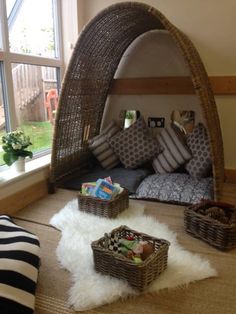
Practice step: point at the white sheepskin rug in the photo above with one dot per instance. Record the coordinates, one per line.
(91, 289)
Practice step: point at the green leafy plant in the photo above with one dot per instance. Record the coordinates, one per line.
(129, 115)
(14, 145)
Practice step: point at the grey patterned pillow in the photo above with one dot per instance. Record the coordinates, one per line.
(198, 142)
(175, 153)
(135, 145)
(102, 150)
(176, 187)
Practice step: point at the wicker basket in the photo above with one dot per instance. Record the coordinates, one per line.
(221, 235)
(139, 276)
(104, 208)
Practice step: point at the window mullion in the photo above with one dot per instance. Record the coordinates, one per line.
(10, 99)
(58, 29)
(5, 33)
(35, 60)
(7, 73)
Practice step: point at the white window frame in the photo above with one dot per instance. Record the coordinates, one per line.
(8, 58)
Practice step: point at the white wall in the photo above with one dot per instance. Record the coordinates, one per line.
(151, 55)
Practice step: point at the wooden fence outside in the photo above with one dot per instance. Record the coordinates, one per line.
(31, 84)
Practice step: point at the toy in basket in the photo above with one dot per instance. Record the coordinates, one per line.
(103, 198)
(130, 255)
(213, 222)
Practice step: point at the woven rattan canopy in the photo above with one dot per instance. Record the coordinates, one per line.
(89, 76)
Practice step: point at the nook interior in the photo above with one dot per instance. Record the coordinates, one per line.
(142, 66)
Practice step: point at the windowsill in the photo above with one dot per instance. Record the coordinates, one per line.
(33, 166)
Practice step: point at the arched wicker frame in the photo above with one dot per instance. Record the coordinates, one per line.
(89, 76)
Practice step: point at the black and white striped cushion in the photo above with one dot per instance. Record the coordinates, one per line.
(175, 152)
(19, 264)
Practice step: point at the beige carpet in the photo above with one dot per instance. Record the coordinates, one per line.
(215, 295)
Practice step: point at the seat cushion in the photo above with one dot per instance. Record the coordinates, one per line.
(128, 178)
(176, 187)
(19, 264)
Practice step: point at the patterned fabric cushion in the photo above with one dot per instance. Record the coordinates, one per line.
(175, 153)
(19, 264)
(176, 187)
(198, 142)
(102, 150)
(135, 145)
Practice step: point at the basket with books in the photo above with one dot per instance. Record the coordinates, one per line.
(103, 198)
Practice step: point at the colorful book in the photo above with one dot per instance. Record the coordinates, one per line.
(104, 189)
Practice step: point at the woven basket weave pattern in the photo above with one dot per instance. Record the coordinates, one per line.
(89, 78)
(139, 276)
(104, 208)
(220, 235)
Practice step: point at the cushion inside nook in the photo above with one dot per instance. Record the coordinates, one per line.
(200, 165)
(135, 145)
(128, 178)
(178, 188)
(102, 150)
(175, 152)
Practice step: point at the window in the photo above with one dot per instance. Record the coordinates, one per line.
(31, 27)
(31, 64)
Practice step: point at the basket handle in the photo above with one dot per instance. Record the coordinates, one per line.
(106, 240)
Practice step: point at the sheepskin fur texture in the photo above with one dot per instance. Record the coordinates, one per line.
(91, 289)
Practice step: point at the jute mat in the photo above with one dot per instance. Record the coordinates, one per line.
(208, 296)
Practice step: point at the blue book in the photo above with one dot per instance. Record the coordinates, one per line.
(104, 189)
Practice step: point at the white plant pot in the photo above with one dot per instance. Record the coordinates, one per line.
(19, 165)
(128, 123)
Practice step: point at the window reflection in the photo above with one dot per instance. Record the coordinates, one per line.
(184, 120)
(128, 117)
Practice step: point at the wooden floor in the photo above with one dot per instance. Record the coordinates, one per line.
(211, 296)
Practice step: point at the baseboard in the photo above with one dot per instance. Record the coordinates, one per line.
(230, 175)
(24, 197)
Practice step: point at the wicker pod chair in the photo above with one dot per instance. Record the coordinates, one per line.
(88, 80)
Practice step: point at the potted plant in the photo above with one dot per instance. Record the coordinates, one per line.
(14, 145)
(129, 118)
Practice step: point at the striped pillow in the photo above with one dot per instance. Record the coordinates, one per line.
(175, 151)
(19, 264)
(102, 150)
